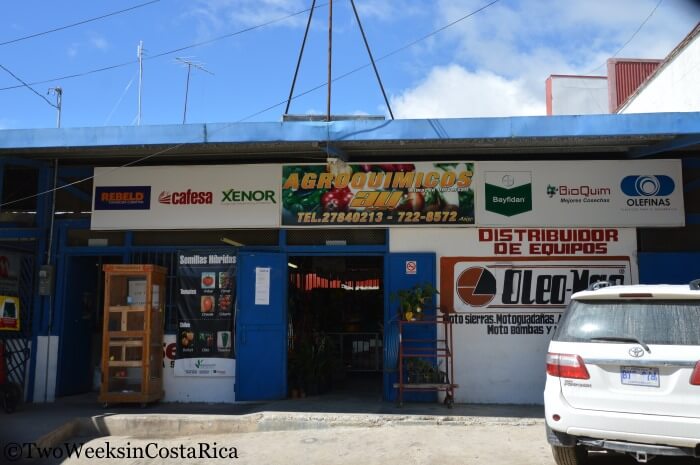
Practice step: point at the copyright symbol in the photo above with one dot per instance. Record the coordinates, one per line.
(12, 451)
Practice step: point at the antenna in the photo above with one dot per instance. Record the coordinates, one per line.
(59, 101)
(139, 54)
(187, 61)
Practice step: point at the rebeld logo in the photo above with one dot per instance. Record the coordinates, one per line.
(648, 190)
(188, 197)
(476, 286)
(508, 193)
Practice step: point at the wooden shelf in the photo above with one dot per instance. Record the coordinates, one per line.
(130, 343)
(128, 363)
(134, 355)
(127, 308)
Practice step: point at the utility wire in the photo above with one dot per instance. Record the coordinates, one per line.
(169, 52)
(252, 115)
(24, 84)
(79, 23)
(634, 34)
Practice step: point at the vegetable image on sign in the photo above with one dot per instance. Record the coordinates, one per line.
(476, 286)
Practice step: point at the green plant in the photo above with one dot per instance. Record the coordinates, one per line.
(412, 301)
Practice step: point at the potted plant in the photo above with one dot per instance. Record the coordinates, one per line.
(412, 301)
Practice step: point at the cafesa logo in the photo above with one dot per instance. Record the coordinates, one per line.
(648, 190)
(508, 193)
(188, 197)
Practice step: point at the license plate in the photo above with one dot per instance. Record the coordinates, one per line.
(640, 376)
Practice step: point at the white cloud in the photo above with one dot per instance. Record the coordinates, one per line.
(73, 50)
(99, 43)
(502, 56)
(453, 92)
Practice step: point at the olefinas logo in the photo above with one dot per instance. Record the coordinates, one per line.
(188, 197)
(648, 190)
(508, 193)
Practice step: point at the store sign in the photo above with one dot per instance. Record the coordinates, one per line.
(581, 193)
(206, 304)
(9, 291)
(9, 313)
(518, 276)
(123, 198)
(186, 197)
(378, 194)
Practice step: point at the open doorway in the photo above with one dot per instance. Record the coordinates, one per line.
(335, 325)
(80, 343)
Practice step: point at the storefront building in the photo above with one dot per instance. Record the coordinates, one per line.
(286, 244)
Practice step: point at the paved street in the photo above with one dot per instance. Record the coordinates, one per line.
(520, 443)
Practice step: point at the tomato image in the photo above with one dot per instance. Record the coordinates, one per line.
(207, 304)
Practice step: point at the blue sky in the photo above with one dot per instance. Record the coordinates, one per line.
(492, 64)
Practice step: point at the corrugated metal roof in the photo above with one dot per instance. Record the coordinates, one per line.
(625, 76)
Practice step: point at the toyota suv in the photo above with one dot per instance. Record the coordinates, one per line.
(623, 373)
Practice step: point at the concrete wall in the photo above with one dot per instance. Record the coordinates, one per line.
(577, 95)
(193, 388)
(673, 88)
(498, 368)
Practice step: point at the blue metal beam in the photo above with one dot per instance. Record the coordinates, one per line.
(666, 146)
(692, 218)
(691, 186)
(20, 233)
(573, 128)
(75, 191)
(27, 162)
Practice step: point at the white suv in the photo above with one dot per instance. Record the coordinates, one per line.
(623, 373)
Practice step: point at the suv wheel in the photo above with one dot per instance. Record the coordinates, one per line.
(570, 455)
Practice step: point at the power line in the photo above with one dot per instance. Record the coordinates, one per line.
(24, 84)
(225, 126)
(79, 23)
(169, 52)
(634, 34)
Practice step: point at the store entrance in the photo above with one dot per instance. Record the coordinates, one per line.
(80, 327)
(335, 325)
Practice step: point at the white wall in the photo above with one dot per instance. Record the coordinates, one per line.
(193, 388)
(493, 368)
(46, 367)
(578, 95)
(674, 87)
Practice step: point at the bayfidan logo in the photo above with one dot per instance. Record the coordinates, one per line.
(476, 286)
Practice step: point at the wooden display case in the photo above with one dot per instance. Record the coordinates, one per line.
(132, 341)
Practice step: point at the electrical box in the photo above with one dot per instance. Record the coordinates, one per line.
(46, 278)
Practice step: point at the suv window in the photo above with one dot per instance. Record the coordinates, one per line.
(670, 322)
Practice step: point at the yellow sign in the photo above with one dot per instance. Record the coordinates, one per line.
(9, 313)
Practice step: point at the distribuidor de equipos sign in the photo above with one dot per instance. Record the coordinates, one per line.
(378, 194)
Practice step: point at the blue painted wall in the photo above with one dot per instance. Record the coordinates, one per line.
(668, 268)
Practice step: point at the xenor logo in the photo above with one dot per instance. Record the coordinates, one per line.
(188, 197)
(241, 196)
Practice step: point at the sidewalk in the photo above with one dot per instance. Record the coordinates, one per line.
(34, 421)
